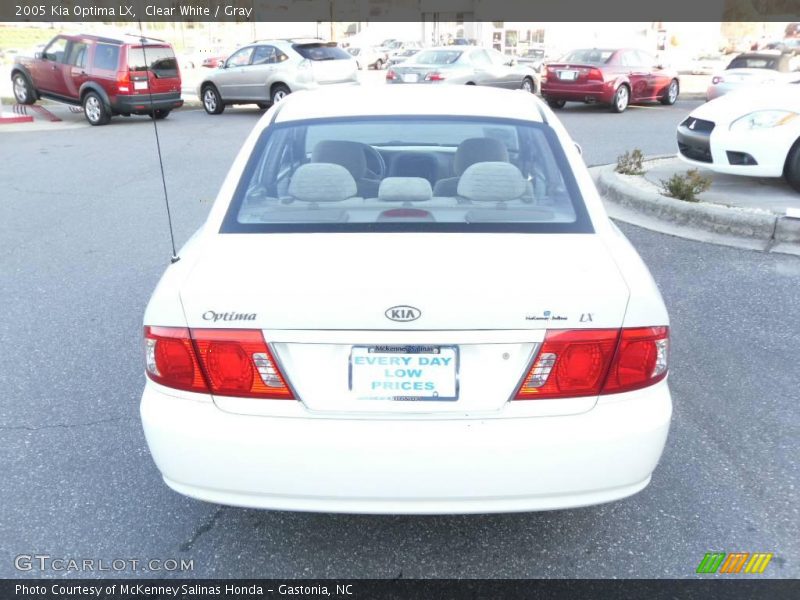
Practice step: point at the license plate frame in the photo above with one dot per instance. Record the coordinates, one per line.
(360, 379)
(140, 85)
(567, 75)
(410, 77)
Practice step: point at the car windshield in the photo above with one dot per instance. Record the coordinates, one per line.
(159, 59)
(754, 62)
(593, 56)
(437, 57)
(407, 173)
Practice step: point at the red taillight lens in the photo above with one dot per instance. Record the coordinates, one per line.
(225, 362)
(715, 80)
(391, 75)
(124, 82)
(641, 359)
(170, 359)
(435, 76)
(570, 363)
(595, 75)
(237, 362)
(574, 363)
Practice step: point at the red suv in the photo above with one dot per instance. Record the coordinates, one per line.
(617, 77)
(107, 76)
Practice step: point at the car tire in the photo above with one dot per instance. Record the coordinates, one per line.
(212, 103)
(23, 90)
(556, 103)
(529, 85)
(161, 113)
(791, 170)
(622, 98)
(94, 109)
(262, 105)
(671, 95)
(278, 92)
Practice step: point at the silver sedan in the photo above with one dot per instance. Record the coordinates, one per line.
(466, 65)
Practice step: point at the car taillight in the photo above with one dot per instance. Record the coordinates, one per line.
(391, 75)
(124, 81)
(589, 362)
(716, 79)
(434, 76)
(595, 75)
(170, 359)
(224, 362)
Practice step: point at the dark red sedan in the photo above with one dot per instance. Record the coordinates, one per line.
(617, 77)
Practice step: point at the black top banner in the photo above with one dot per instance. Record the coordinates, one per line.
(398, 10)
(416, 589)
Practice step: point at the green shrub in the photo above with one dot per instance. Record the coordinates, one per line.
(686, 186)
(630, 163)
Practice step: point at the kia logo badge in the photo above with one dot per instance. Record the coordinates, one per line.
(403, 313)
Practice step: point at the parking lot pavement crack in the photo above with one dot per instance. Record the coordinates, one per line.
(63, 425)
(204, 527)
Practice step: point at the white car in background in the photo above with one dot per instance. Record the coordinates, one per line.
(753, 132)
(407, 301)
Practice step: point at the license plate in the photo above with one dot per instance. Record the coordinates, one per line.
(568, 75)
(140, 85)
(404, 373)
(410, 78)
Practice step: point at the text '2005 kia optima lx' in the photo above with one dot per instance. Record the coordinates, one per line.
(407, 301)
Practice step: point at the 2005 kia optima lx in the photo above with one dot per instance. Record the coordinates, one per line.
(407, 301)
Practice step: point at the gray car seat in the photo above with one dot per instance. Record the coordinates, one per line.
(351, 156)
(469, 152)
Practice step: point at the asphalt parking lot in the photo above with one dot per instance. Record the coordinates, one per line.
(83, 241)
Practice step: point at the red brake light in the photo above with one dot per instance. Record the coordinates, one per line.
(124, 81)
(391, 75)
(170, 359)
(589, 362)
(224, 362)
(641, 359)
(595, 75)
(434, 76)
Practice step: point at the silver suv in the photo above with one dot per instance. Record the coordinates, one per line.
(265, 71)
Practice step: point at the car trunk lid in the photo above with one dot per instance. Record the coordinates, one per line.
(153, 69)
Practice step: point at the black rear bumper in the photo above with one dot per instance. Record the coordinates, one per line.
(142, 104)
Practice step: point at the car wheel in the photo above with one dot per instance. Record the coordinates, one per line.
(528, 85)
(672, 93)
(621, 99)
(791, 171)
(161, 113)
(23, 91)
(279, 92)
(211, 100)
(95, 110)
(556, 103)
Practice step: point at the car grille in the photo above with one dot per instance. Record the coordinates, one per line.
(702, 154)
(698, 125)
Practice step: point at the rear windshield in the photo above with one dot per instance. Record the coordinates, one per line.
(437, 57)
(754, 62)
(328, 51)
(407, 174)
(593, 56)
(159, 59)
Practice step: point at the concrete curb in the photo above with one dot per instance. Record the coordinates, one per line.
(644, 206)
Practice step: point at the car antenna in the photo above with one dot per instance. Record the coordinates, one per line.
(175, 258)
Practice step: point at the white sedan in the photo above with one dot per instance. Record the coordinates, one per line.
(407, 301)
(752, 132)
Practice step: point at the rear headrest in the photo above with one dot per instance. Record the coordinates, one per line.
(348, 154)
(322, 182)
(405, 189)
(475, 150)
(491, 182)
